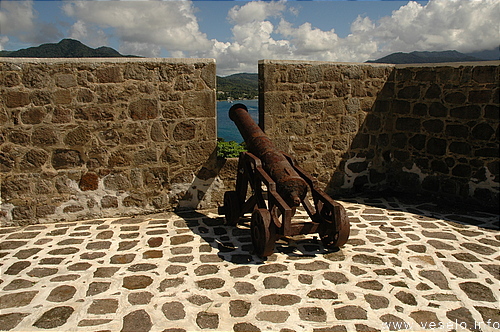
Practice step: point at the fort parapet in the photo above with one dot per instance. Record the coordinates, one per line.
(86, 138)
(426, 129)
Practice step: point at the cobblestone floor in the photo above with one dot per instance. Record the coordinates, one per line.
(405, 267)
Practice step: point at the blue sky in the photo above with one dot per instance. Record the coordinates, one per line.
(239, 33)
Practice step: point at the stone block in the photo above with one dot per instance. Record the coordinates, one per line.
(78, 136)
(460, 131)
(184, 131)
(61, 97)
(483, 131)
(456, 97)
(34, 159)
(436, 146)
(466, 112)
(84, 95)
(34, 115)
(65, 80)
(433, 126)
(44, 136)
(484, 74)
(16, 98)
(89, 181)
(109, 75)
(438, 110)
(199, 104)
(109, 202)
(66, 158)
(143, 109)
(408, 124)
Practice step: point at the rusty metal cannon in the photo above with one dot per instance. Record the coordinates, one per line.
(278, 186)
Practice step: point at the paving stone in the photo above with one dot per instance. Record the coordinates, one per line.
(103, 306)
(10, 321)
(370, 284)
(170, 282)
(275, 282)
(280, 299)
(376, 301)
(15, 300)
(173, 310)
(425, 318)
(137, 282)
(26, 253)
(272, 268)
(336, 277)
(367, 259)
(436, 277)
(239, 308)
(305, 279)
(199, 299)
(122, 259)
(459, 270)
(97, 287)
(245, 327)
(137, 321)
(240, 272)
(175, 269)
(54, 317)
(243, 287)
(105, 272)
(406, 298)
(273, 316)
(140, 298)
(142, 267)
(322, 294)
(461, 315)
(93, 322)
(211, 283)
(79, 267)
(207, 320)
(203, 270)
(478, 292)
(17, 267)
(350, 312)
(61, 293)
(19, 284)
(313, 266)
(314, 314)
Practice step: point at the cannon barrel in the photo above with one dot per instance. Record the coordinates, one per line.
(289, 185)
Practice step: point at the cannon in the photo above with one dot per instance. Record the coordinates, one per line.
(278, 187)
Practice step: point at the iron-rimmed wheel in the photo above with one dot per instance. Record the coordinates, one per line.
(263, 232)
(231, 208)
(331, 218)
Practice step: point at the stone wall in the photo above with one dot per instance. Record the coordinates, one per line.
(83, 138)
(429, 129)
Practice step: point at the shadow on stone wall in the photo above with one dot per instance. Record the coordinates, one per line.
(431, 131)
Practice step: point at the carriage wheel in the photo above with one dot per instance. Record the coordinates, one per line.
(263, 232)
(330, 217)
(231, 208)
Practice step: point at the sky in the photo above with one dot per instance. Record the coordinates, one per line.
(239, 33)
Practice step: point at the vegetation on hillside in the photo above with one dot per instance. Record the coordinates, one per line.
(229, 149)
(425, 57)
(238, 86)
(66, 48)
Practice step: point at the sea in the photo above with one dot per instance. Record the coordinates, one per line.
(226, 128)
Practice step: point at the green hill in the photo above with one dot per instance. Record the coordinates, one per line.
(66, 48)
(238, 86)
(425, 57)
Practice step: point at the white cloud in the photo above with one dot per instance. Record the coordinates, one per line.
(144, 27)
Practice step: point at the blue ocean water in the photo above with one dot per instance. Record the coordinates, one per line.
(226, 128)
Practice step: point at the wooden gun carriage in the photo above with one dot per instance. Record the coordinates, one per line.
(278, 187)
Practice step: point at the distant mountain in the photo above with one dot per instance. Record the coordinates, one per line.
(425, 57)
(238, 86)
(66, 48)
